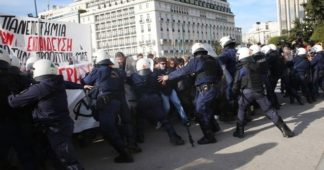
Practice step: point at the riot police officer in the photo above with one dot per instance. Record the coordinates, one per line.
(149, 101)
(302, 73)
(15, 124)
(318, 65)
(276, 69)
(228, 62)
(109, 82)
(249, 85)
(49, 99)
(208, 75)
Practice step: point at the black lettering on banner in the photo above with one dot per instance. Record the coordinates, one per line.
(32, 27)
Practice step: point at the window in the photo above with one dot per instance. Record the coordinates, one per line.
(142, 28)
(149, 27)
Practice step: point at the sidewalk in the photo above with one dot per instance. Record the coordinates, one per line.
(263, 148)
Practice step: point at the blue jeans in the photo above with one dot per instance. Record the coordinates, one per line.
(173, 97)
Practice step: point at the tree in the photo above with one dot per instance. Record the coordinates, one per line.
(217, 47)
(318, 35)
(278, 39)
(314, 12)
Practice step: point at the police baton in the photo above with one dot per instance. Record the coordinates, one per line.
(189, 135)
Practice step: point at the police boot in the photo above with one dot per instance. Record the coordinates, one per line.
(134, 148)
(209, 136)
(309, 99)
(239, 132)
(286, 132)
(214, 125)
(299, 100)
(123, 157)
(173, 136)
(292, 100)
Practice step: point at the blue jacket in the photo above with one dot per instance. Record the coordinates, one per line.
(301, 65)
(318, 61)
(145, 85)
(196, 65)
(48, 97)
(228, 58)
(107, 79)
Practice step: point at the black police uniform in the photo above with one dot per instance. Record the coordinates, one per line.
(110, 103)
(51, 112)
(15, 124)
(249, 84)
(208, 75)
(147, 91)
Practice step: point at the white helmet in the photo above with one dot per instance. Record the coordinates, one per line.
(198, 47)
(4, 56)
(44, 67)
(243, 53)
(255, 49)
(31, 60)
(144, 63)
(317, 48)
(224, 41)
(265, 49)
(273, 47)
(102, 57)
(15, 62)
(301, 51)
(210, 50)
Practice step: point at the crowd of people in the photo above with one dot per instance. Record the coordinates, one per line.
(127, 91)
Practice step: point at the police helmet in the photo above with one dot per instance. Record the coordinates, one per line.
(273, 47)
(144, 63)
(317, 48)
(265, 49)
(255, 49)
(4, 56)
(243, 53)
(44, 67)
(210, 50)
(102, 58)
(31, 60)
(15, 62)
(198, 47)
(224, 41)
(301, 51)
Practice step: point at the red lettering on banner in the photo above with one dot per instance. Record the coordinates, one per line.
(69, 72)
(28, 44)
(6, 37)
(76, 78)
(53, 39)
(49, 44)
(69, 45)
(61, 71)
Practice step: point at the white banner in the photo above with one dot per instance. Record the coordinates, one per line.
(66, 44)
(61, 42)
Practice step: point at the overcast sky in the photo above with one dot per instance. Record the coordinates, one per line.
(247, 12)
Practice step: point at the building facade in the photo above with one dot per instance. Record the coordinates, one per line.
(287, 12)
(261, 33)
(160, 27)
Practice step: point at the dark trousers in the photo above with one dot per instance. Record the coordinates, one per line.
(16, 135)
(248, 96)
(59, 136)
(108, 120)
(203, 103)
(151, 107)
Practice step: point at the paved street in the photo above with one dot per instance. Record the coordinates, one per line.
(263, 148)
